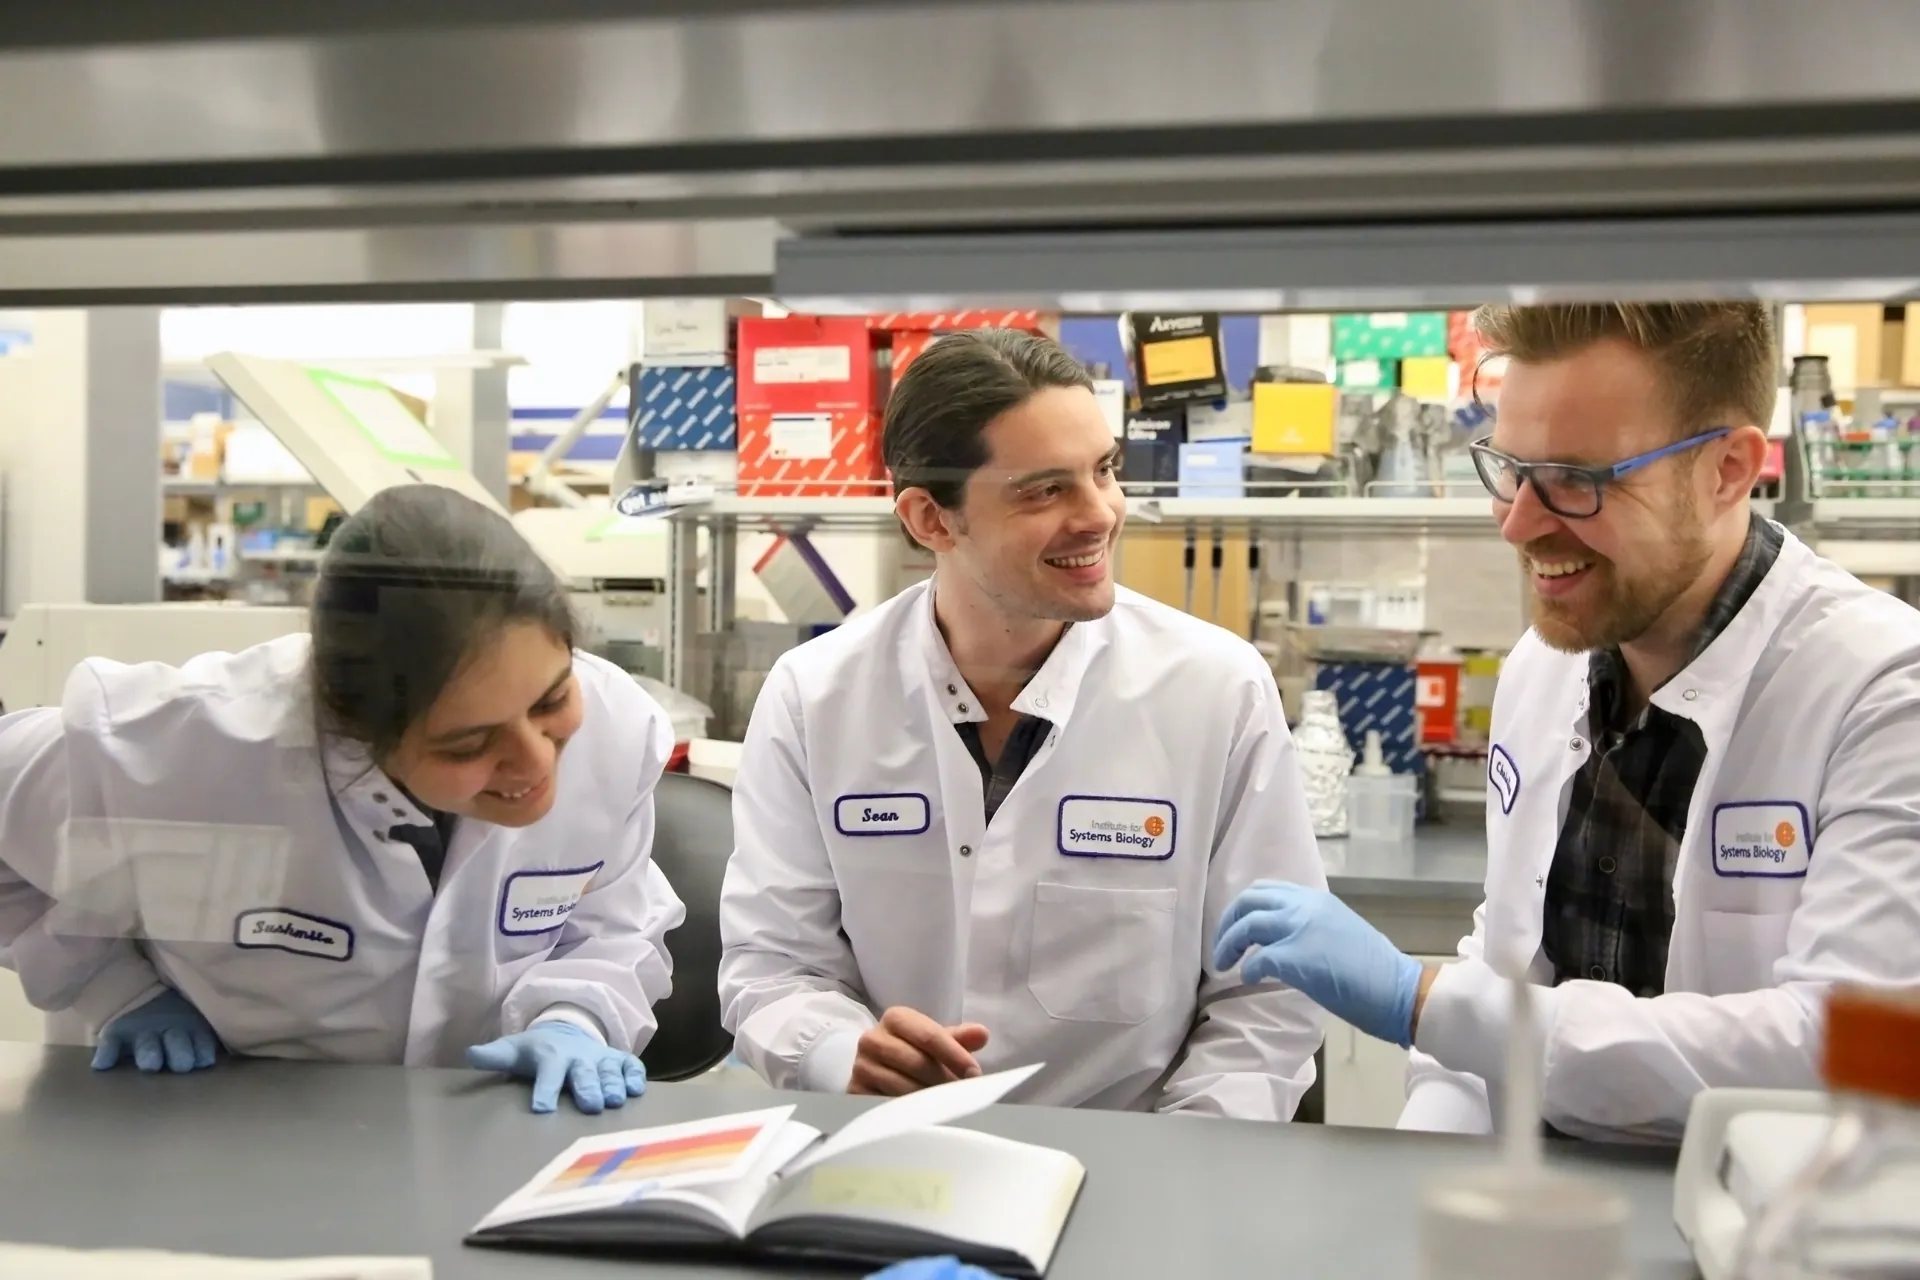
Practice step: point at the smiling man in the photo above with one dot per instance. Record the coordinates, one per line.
(991, 823)
(1703, 801)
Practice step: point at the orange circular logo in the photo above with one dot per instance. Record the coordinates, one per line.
(1155, 826)
(1783, 835)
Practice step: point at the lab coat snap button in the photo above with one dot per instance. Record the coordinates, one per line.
(963, 708)
(951, 689)
(1597, 973)
(1607, 865)
(379, 797)
(1691, 695)
(1041, 703)
(1576, 744)
(966, 851)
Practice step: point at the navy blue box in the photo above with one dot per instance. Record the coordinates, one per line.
(1378, 696)
(684, 408)
(1151, 453)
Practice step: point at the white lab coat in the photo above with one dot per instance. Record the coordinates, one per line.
(865, 875)
(1800, 866)
(176, 825)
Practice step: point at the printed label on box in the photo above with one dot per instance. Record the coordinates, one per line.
(1182, 360)
(1388, 319)
(797, 436)
(786, 365)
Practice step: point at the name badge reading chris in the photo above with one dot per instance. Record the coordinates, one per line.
(903, 814)
(540, 901)
(278, 929)
(1116, 827)
(1761, 838)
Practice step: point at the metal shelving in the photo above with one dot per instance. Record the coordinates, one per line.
(1347, 514)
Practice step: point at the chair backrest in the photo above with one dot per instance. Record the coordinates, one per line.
(692, 840)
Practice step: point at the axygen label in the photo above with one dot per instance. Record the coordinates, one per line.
(1767, 838)
(1116, 827)
(541, 901)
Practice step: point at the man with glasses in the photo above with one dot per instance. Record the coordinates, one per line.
(1703, 801)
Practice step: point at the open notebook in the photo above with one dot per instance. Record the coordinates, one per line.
(892, 1184)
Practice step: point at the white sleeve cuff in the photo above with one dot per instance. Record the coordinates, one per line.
(574, 1016)
(828, 1066)
(1465, 1019)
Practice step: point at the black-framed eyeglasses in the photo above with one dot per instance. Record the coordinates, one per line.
(1567, 489)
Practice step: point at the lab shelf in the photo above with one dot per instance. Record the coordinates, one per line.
(1454, 515)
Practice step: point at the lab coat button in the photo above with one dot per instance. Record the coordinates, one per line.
(966, 851)
(1040, 703)
(951, 689)
(379, 797)
(1691, 695)
(1606, 866)
(1597, 973)
(963, 708)
(1576, 745)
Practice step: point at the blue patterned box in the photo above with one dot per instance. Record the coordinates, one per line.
(1378, 695)
(681, 408)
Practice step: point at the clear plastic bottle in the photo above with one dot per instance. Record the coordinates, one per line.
(1326, 758)
(1854, 1212)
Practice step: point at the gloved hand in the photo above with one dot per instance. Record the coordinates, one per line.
(555, 1053)
(166, 1033)
(944, 1268)
(1317, 945)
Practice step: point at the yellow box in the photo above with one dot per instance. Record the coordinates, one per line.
(1181, 360)
(1428, 377)
(1294, 417)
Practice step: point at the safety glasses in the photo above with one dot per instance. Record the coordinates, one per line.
(1564, 488)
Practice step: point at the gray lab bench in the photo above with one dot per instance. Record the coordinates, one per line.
(1422, 896)
(286, 1159)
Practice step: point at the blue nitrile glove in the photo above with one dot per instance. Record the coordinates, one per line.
(1316, 944)
(555, 1053)
(944, 1268)
(165, 1034)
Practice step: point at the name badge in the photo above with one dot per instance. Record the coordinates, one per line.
(540, 901)
(1504, 777)
(278, 929)
(905, 814)
(1116, 827)
(1763, 838)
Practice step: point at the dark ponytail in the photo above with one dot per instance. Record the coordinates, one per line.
(412, 585)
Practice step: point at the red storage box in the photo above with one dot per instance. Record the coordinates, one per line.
(806, 364)
(946, 321)
(810, 455)
(907, 347)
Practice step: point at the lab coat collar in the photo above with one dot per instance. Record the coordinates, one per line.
(1050, 694)
(364, 791)
(1715, 680)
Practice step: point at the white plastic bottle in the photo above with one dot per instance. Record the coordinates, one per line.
(1854, 1211)
(1325, 760)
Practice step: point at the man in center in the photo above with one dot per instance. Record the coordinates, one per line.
(992, 822)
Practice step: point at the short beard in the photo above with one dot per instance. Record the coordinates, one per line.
(1631, 608)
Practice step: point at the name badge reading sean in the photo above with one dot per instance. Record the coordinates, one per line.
(295, 931)
(1761, 839)
(1116, 827)
(904, 814)
(540, 901)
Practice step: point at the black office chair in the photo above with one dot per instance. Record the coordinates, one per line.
(692, 840)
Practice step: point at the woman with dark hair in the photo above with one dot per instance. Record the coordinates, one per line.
(421, 833)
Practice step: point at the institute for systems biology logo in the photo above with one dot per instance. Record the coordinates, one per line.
(1783, 835)
(1155, 826)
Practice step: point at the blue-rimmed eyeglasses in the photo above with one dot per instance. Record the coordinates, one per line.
(1564, 488)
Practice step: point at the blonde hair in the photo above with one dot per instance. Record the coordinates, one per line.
(1719, 360)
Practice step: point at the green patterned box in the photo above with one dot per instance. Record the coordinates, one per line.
(1368, 375)
(1390, 335)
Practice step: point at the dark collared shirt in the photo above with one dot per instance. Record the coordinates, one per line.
(998, 776)
(1609, 903)
(430, 842)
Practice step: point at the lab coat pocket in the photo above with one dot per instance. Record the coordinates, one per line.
(193, 881)
(1741, 949)
(1099, 954)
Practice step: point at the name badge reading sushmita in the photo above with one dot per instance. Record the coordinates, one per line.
(294, 931)
(902, 814)
(540, 901)
(1764, 839)
(1116, 827)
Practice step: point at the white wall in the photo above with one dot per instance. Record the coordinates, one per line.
(43, 454)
